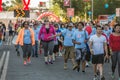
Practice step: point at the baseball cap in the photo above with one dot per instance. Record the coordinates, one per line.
(70, 24)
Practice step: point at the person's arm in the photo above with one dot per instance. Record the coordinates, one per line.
(74, 39)
(90, 46)
(106, 49)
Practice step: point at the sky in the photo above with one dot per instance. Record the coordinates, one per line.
(33, 3)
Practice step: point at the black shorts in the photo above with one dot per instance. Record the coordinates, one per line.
(56, 48)
(10, 33)
(98, 59)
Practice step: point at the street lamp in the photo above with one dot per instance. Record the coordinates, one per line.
(92, 8)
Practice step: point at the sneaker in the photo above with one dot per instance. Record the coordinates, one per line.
(87, 65)
(83, 71)
(75, 67)
(46, 63)
(78, 69)
(28, 60)
(25, 63)
(65, 66)
(103, 78)
(95, 78)
(113, 76)
(51, 62)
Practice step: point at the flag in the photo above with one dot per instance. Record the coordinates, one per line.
(66, 2)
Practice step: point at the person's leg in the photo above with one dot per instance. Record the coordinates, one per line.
(78, 58)
(24, 48)
(29, 48)
(36, 48)
(72, 56)
(66, 55)
(45, 47)
(114, 63)
(118, 57)
(50, 49)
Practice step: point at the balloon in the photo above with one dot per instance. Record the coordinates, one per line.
(26, 4)
(88, 29)
(106, 5)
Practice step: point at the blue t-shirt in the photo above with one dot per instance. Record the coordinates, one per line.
(27, 37)
(80, 36)
(107, 33)
(36, 33)
(68, 37)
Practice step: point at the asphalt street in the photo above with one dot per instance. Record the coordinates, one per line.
(14, 69)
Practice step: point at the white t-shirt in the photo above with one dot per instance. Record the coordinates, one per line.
(98, 44)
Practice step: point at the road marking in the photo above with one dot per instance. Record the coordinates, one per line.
(2, 61)
(4, 72)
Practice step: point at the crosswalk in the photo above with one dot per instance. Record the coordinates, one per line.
(4, 64)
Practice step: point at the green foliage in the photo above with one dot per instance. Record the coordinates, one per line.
(99, 9)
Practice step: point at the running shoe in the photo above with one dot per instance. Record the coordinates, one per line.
(51, 62)
(28, 60)
(95, 78)
(25, 63)
(46, 63)
(113, 76)
(103, 78)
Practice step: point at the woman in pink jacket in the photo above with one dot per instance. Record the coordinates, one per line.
(47, 37)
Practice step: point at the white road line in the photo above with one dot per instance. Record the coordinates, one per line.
(4, 73)
(1, 60)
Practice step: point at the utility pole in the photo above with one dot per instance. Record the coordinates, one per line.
(92, 9)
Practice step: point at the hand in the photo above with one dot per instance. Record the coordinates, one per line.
(111, 52)
(91, 50)
(78, 43)
(85, 41)
(106, 56)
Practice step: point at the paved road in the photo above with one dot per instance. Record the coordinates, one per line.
(39, 71)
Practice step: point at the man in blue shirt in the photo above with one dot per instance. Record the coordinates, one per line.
(35, 47)
(69, 46)
(80, 39)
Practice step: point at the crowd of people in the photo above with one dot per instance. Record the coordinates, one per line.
(81, 42)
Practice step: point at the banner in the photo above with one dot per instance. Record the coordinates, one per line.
(117, 12)
(66, 2)
(86, 0)
(42, 4)
(26, 4)
(70, 12)
(0, 5)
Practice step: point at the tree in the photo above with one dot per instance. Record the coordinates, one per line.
(15, 4)
(99, 9)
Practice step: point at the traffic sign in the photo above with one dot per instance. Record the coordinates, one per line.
(21, 13)
(70, 12)
(117, 12)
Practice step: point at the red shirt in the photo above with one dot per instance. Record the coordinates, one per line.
(114, 42)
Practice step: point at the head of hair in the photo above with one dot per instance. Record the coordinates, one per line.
(25, 22)
(80, 23)
(115, 27)
(98, 26)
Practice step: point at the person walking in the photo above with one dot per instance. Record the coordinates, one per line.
(114, 41)
(80, 39)
(97, 46)
(69, 46)
(47, 35)
(35, 47)
(26, 40)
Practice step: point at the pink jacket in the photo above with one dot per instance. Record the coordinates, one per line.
(43, 35)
